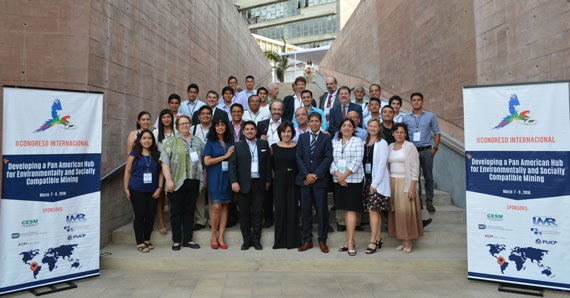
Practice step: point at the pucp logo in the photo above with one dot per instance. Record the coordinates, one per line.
(515, 115)
(550, 242)
(30, 222)
(78, 236)
(75, 217)
(55, 118)
(544, 221)
(495, 217)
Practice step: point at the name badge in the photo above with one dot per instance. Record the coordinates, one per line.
(254, 167)
(225, 167)
(194, 156)
(342, 166)
(147, 178)
(417, 136)
(368, 168)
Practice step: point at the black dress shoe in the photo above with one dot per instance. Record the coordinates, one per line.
(176, 247)
(191, 245)
(245, 246)
(359, 228)
(198, 227)
(267, 224)
(340, 228)
(426, 222)
(330, 229)
(257, 246)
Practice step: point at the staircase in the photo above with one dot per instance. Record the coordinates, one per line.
(442, 249)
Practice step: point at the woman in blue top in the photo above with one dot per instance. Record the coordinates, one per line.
(143, 185)
(217, 150)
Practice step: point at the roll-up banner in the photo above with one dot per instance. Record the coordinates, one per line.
(51, 169)
(517, 150)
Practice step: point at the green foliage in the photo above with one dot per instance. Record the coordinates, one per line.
(281, 61)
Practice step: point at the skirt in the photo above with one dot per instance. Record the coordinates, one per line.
(405, 219)
(375, 201)
(348, 198)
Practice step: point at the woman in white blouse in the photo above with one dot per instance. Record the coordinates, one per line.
(348, 174)
(405, 219)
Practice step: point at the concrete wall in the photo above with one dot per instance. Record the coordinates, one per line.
(136, 52)
(437, 47)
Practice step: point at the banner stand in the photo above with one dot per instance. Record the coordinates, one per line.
(520, 289)
(53, 288)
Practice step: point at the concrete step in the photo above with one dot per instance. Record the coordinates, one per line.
(423, 259)
(435, 234)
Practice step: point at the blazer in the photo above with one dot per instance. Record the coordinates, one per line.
(263, 126)
(318, 163)
(336, 116)
(380, 174)
(240, 164)
(323, 99)
(289, 107)
(232, 131)
(217, 113)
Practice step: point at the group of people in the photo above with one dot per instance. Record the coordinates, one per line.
(253, 156)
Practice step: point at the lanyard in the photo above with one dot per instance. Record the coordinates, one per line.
(273, 130)
(194, 108)
(236, 132)
(417, 121)
(345, 145)
(202, 130)
(252, 152)
(147, 162)
(249, 111)
(368, 148)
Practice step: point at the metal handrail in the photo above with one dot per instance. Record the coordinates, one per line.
(114, 172)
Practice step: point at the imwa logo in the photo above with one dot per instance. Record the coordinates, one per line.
(76, 217)
(544, 221)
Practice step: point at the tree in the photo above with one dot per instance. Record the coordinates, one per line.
(281, 61)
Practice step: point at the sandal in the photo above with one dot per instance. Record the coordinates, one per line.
(342, 248)
(351, 252)
(149, 245)
(162, 231)
(142, 248)
(407, 250)
(379, 243)
(371, 250)
(400, 247)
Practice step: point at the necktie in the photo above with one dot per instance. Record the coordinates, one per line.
(329, 101)
(343, 112)
(313, 142)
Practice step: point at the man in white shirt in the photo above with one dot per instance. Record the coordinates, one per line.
(192, 104)
(254, 112)
(212, 102)
(302, 118)
(227, 96)
(267, 129)
(396, 103)
(374, 107)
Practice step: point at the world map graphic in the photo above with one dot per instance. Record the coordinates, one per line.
(520, 257)
(51, 257)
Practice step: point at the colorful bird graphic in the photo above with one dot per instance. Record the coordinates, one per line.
(514, 114)
(56, 119)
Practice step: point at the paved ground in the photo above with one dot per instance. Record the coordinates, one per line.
(191, 283)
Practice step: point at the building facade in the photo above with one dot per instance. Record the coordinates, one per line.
(304, 23)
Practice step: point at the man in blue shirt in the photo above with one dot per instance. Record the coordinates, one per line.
(307, 99)
(242, 97)
(421, 124)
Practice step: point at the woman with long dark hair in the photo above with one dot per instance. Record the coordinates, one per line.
(376, 190)
(143, 122)
(217, 150)
(164, 131)
(143, 185)
(346, 168)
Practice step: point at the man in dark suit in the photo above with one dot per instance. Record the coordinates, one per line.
(250, 176)
(330, 98)
(340, 112)
(236, 125)
(292, 102)
(314, 157)
(212, 102)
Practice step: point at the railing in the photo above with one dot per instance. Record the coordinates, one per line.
(114, 172)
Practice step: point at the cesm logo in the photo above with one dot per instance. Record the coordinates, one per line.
(544, 221)
(495, 217)
(76, 217)
(78, 236)
(30, 222)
